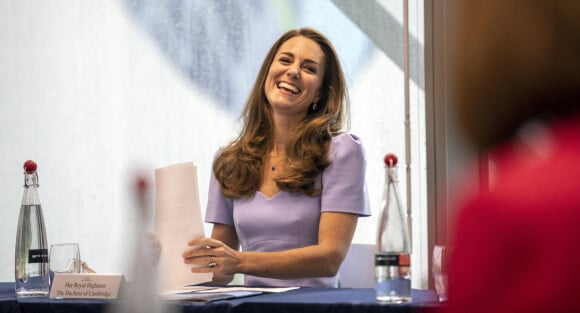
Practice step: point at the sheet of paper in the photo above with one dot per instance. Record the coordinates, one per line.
(208, 296)
(226, 289)
(260, 289)
(208, 293)
(177, 220)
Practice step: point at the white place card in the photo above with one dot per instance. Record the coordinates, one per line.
(85, 286)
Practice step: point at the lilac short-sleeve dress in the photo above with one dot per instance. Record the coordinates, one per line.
(289, 220)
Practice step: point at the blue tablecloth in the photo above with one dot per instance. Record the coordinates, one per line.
(309, 300)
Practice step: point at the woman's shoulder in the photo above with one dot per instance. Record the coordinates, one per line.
(347, 139)
(346, 144)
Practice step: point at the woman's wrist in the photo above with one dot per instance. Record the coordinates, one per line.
(241, 265)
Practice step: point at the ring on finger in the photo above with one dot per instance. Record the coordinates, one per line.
(212, 262)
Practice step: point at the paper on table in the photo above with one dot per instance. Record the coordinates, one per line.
(206, 293)
(177, 220)
(208, 296)
(202, 289)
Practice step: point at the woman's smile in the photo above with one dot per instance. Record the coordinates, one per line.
(284, 86)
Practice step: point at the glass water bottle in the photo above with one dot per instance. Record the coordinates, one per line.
(31, 258)
(393, 254)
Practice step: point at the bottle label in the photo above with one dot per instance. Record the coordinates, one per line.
(392, 259)
(38, 256)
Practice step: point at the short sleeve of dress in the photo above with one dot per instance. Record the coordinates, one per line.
(220, 209)
(343, 182)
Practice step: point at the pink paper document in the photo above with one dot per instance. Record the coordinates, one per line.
(177, 220)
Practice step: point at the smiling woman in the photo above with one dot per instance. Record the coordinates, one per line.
(295, 78)
(292, 86)
(294, 223)
(283, 123)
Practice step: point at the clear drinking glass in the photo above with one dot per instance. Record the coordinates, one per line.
(441, 256)
(65, 258)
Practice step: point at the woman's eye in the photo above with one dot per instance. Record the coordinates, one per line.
(310, 69)
(285, 60)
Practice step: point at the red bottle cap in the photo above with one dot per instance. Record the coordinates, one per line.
(390, 160)
(141, 184)
(29, 166)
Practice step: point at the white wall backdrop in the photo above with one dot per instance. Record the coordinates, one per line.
(90, 98)
(91, 94)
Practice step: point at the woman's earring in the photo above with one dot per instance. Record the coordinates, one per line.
(314, 106)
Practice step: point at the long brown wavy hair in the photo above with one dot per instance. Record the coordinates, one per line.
(238, 167)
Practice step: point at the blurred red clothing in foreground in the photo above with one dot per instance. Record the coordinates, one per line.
(517, 247)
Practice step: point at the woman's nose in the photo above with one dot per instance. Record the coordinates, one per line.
(294, 71)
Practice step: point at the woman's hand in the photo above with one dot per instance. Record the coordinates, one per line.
(210, 255)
